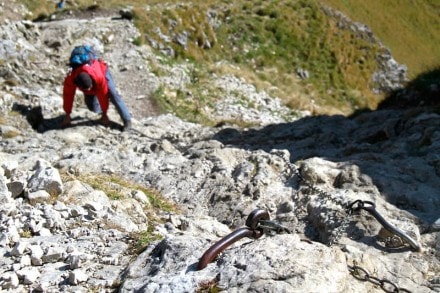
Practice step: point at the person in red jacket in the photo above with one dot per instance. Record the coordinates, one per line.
(95, 81)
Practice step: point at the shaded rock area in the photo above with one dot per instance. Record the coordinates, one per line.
(60, 234)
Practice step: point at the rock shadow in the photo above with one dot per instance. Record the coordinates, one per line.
(380, 143)
(34, 116)
(422, 91)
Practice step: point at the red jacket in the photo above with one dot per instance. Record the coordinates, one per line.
(97, 71)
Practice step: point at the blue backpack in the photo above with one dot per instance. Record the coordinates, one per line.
(82, 55)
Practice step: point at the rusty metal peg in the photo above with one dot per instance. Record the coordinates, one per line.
(250, 231)
(255, 217)
(225, 242)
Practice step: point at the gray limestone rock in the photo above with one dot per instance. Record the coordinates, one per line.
(5, 194)
(9, 281)
(45, 178)
(58, 233)
(19, 248)
(77, 276)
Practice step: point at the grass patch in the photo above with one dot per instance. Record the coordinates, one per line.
(10, 134)
(210, 286)
(145, 238)
(39, 10)
(25, 234)
(116, 187)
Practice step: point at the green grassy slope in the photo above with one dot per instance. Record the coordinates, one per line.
(410, 28)
(271, 41)
(268, 41)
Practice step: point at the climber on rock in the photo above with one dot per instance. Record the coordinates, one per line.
(92, 76)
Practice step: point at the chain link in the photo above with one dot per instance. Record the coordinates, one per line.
(271, 227)
(340, 231)
(362, 275)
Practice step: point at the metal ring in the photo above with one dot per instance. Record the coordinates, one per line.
(255, 216)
